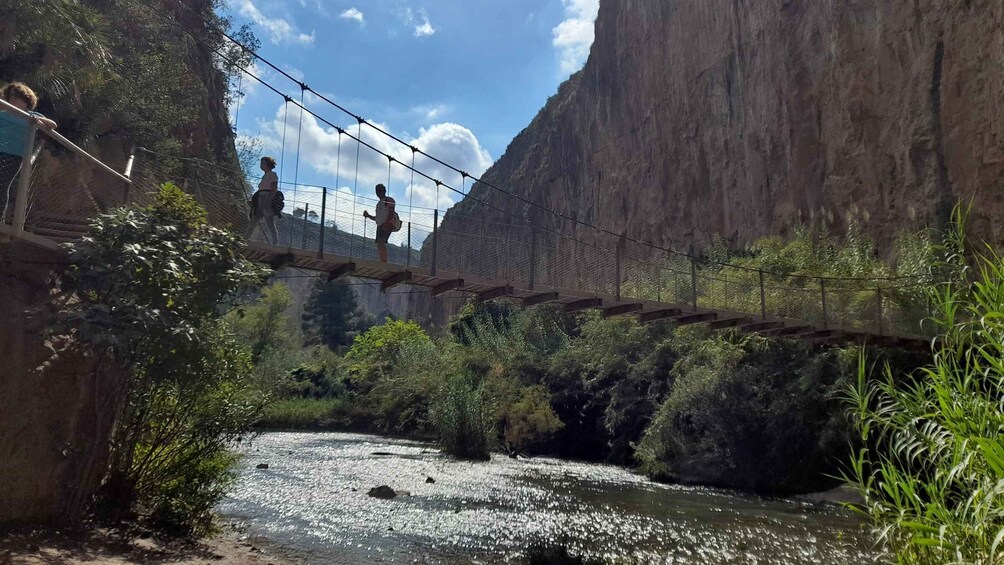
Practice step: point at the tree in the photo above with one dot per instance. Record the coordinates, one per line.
(147, 286)
(312, 216)
(332, 316)
(298, 212)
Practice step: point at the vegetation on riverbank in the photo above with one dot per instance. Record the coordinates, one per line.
(686, 404)
(931, 462)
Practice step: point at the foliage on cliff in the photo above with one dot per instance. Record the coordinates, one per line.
(125, 70)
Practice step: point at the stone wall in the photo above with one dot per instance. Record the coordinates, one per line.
(56, 404)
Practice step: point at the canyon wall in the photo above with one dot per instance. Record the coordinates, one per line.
(750, 117)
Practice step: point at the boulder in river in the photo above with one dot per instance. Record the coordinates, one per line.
(382, 491)
(430, 480)
(262, 466)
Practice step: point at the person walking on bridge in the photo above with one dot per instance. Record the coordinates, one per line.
(262, 207)
(384, 220)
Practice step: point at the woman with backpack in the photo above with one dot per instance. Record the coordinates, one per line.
(265, 201)
(386, 219)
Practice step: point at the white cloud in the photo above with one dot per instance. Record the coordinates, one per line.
(449, 142)
(353, 14)
(574, 36)
(420, 23)
(278, 29)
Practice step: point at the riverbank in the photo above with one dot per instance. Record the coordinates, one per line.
(96, 545)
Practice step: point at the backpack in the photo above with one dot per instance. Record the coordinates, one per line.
(393, 220)
(278, 202)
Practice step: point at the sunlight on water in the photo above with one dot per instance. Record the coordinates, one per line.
(312, 500)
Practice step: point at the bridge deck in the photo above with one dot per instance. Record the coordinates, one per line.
(572, 299)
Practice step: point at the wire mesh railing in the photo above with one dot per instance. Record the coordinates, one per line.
(50, 187)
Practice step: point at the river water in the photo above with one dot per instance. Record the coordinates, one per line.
(312, 502)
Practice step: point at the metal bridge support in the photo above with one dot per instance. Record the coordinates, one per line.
(763, 298)
(693, 282)
(324, 207)
(878, 300)
(127, 191)
(435, 239)
(24, 180)
(822, 295)
(533, 256)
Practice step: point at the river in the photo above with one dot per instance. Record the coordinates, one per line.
(312, 502)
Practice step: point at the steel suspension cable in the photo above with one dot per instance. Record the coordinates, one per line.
(299, 130)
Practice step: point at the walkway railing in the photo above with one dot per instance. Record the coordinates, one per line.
(622, 275)
(49, 187)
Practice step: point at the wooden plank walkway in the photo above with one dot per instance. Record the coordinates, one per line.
(390, 275)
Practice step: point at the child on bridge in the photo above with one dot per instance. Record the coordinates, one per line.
(13, 136)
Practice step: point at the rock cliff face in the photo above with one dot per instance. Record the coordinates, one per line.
(749, 117)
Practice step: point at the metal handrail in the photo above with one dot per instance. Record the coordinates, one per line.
(11, 109)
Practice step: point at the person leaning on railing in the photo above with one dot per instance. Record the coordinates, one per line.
(13, 132)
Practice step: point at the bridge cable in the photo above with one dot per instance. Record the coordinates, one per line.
(299, 130)
(411, 189)
(282, 155)
(338, 170)
(355, 189)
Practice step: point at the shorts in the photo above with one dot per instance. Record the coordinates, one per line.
(383, 234)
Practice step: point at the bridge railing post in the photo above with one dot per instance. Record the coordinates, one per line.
(693, 282)
(303, 236)
(533, 257)
(822, 296)
(127, 191)
(878, 301)
(24, 180)
(617, 270)
(407, 259)
(324, 207)
(763, 296)
(435, 239)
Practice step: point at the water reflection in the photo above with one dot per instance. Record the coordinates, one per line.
(313, 499)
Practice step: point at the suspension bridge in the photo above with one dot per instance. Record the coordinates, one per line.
(51, 193)
(56, 188)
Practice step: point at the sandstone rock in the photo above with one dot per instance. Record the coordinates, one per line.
(700, 117)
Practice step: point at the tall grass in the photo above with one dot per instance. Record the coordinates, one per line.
(931, 468)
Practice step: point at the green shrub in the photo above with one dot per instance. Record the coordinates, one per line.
(931, 464)
(307, 414)
(749, 412)
(148, 286)
(464, 417)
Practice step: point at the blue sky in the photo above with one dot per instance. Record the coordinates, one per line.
(457, 78)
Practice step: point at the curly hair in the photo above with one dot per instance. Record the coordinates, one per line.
(269, 162)
(20, 90)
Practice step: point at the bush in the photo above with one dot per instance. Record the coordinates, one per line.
(148, 286)
(463, 417)
(750, 413)
(931, 464)
(307, 414)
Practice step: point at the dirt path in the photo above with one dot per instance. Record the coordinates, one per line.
(105, 546)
